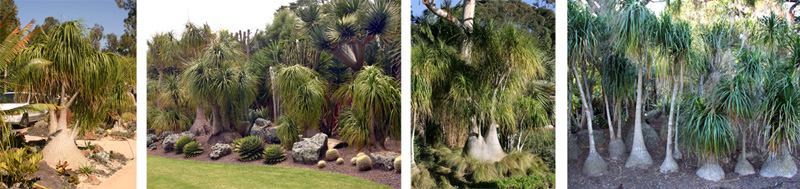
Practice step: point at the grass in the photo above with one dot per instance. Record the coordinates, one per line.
(175, 173)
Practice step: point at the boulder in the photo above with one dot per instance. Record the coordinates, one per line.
(151, 138)
(263, 128)
(572, 148)
(652, 115)
(651, 138)
(384, 159)
(220, 150)
(92, 179)
(309, 150)
(169, 142)
(165, 134)
(101, 157)
(599, 138)
(48, 177)
(153, 146)
(97, 148)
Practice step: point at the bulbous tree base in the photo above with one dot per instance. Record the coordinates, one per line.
(778, 166)
(669, 166)
(677, 154)
(711, 172)
(639, 159)
(594, 165)
(616, 149)
(743, 167)
(62, 148)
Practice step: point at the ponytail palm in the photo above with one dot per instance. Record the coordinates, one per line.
(220, 79)
(303, 92)
(375, 108)
(707, 130)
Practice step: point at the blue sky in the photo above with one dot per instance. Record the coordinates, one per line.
(417, 7)
(103, 12)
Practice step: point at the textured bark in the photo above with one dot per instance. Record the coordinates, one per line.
(639, 156)
(201, 125)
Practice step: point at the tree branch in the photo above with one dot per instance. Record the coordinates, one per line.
(431, 4)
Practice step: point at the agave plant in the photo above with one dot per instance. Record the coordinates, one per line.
(192, 149)
(274, 154)
(249, 148)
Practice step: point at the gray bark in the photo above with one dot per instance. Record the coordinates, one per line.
(639, 157)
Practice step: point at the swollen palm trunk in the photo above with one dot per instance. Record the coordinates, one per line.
(485, 149)
(61, 147)
(201, 125)
(639, 156)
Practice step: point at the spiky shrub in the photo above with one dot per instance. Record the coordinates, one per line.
(249, 148)
(19, 166)
(364, 163)
(781, 112)
(86, 169)
(397, 163)
(192, 149)
(706, 130)
(182, 142)
(274, 154)
(331, 154)
(339, 161)
(321, 164)
(288, 132)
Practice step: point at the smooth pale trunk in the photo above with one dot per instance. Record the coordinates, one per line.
(677, 152)
(611, 135)
(485, 149)
(216, 120)
(669, 165)
(467, 18)
(639, 157)
(594, 164)
(200, 126)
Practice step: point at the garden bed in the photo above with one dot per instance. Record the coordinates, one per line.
(390, 178)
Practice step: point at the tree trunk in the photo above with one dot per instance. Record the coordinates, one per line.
(594, 164)
(617, 109)
(62, 147)
(485, 149)
(677, 152)
(467, 19)
(669, 165)
(200, 126)
(216, 120)
(639, 156)
(611, 135)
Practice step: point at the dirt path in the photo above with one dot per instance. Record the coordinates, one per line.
(125, 177)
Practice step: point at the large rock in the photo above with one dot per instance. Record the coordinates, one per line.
(384, 159)
(263, 128)
(652, 115)
(220, 150)
(168, 144)
(651, 138)
(308, 150)
(48, 177)
(599, 138)
(151, 138)
(572, 148)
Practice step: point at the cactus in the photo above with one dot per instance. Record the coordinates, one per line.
(321, 164)
(360, 154)
(397, 163)
(353, 160)
(331, 154)
(192, 149)
(274, 154)
(182, 142)
(364, 163)
(340, 161)
(249, 148)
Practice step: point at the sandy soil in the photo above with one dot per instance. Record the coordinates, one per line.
(390, 178)
(620, 177)
(125, 177)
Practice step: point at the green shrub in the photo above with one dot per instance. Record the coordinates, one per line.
(86, 169)
(288, 132)
(274, 154)
(321, 164)
(531, 181)
(331, 154)
(19, 166)
(182, 142)
(122, 134)
(249, 148)
(364, 163)
(339, 161)
(542, 143)
(192, 149)
(74, 180)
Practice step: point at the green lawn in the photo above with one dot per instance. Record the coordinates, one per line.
(175, 173)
